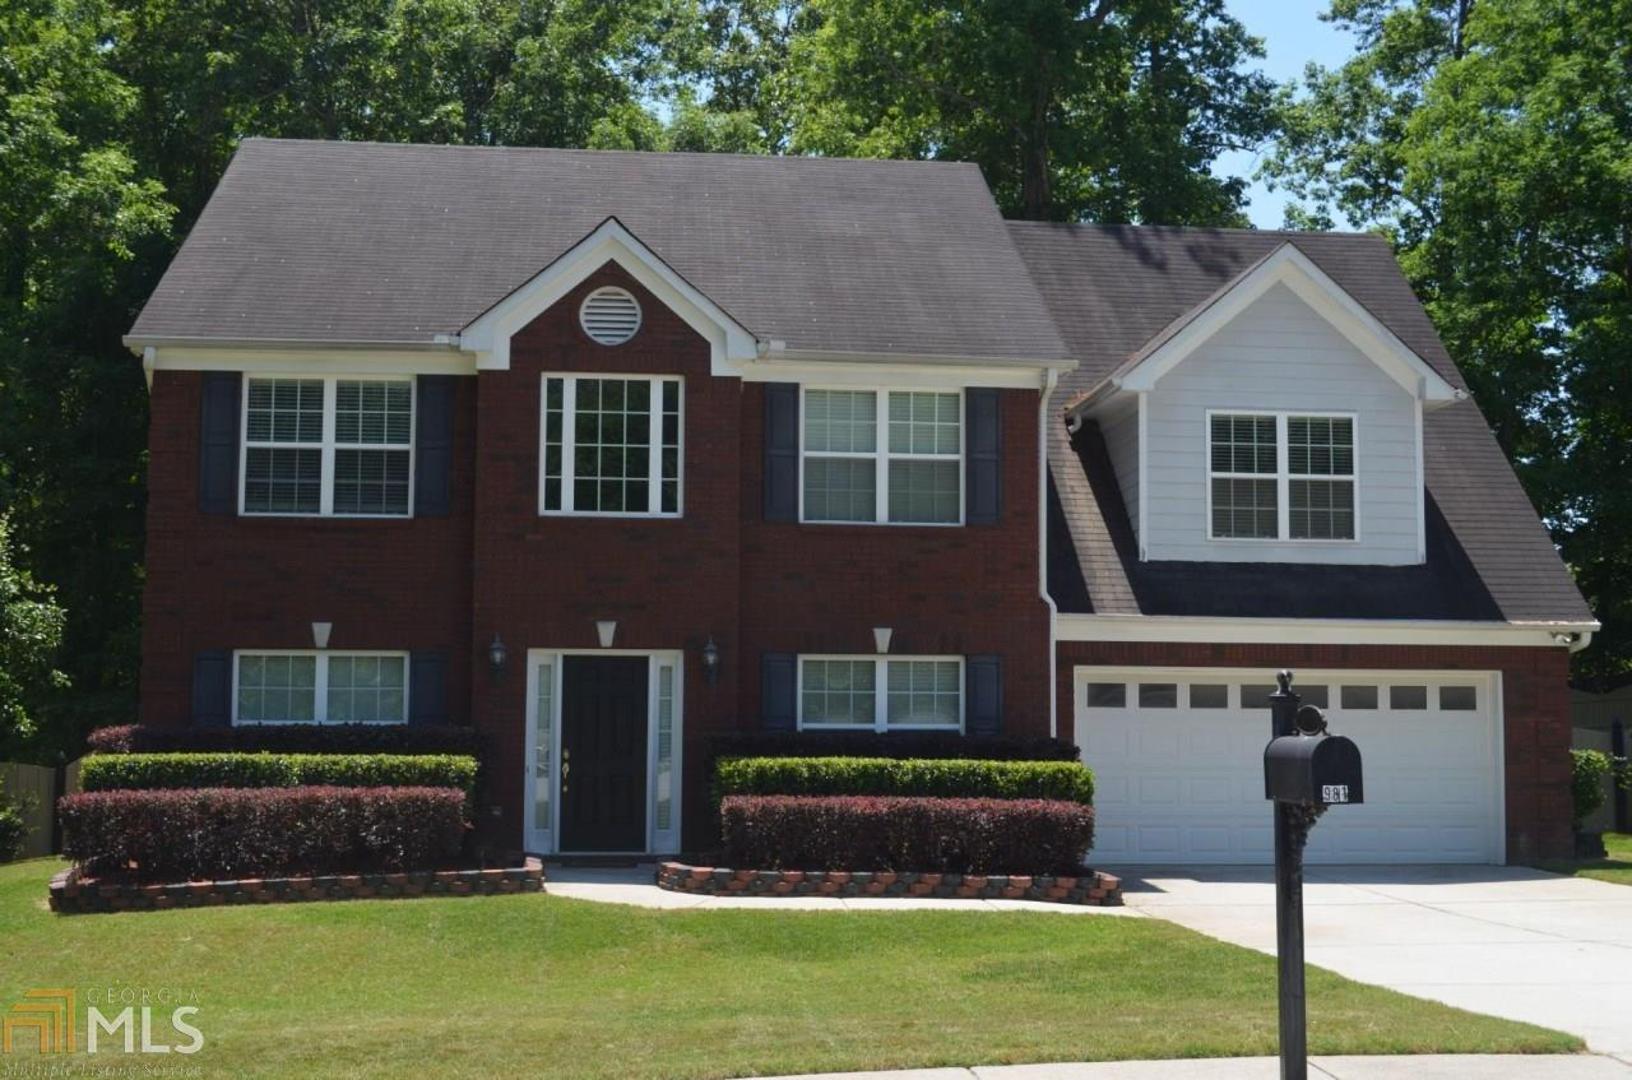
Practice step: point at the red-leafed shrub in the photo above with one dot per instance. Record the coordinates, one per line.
(288, 738)
(216, 833)
(862, 832)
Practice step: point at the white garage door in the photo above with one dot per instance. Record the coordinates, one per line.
(1178, 764)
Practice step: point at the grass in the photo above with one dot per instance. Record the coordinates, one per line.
(1616, 868)
(561, 988)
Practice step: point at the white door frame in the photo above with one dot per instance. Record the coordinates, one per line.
(1489, 683)
(544, 838)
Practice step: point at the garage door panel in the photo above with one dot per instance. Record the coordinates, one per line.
(1183, 785)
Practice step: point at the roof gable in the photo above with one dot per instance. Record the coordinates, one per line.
(1283, 265)
(488, 334)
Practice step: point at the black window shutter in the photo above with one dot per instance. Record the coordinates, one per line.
(781, 451)
(212, 688)
(433, 445)
(983, 476)
(777, 688)
(428, 687)
(218, 443)
(983, 711)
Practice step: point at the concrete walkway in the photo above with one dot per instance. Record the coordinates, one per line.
(637, 885)
(1418, 1067)
(1505, 941)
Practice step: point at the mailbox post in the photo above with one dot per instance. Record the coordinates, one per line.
(1305, 771)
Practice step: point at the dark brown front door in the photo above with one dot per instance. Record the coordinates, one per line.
(603, 753)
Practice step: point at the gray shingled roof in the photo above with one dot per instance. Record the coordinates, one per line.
(1113, 288)
(380, 243)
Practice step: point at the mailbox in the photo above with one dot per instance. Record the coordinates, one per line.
(1313, 769)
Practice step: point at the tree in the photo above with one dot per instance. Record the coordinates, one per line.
(1112, 110)
(31, 627)
(80, 229)
(1493, 141)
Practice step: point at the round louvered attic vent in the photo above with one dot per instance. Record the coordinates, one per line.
(610, 316)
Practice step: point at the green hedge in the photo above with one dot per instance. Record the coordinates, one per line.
(938, 777)
(107, 772)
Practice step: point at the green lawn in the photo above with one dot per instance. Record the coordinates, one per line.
(553, 987)
(1617, 868)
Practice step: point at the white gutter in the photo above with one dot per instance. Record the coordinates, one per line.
(1051, 378)
(1260, 631)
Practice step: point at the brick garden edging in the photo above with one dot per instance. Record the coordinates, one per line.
(1092, 887)
(72, 894)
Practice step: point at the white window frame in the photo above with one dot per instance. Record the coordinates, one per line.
(569, 406)
(882, 456)
(328, 447)
(320, 707)
(1283, 476)
(881, 693)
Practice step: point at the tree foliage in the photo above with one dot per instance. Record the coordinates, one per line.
(1112, 110)
(1493, 141)
(30, 633)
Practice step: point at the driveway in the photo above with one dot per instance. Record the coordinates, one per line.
(1507, 941)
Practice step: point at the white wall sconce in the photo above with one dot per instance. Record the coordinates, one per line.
(320, 634)
(606, 630)
(881, 639)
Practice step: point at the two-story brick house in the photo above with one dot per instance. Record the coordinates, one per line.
(608, 453)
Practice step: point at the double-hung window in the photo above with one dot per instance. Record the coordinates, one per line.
(1281, 476)
(892, 456)
(880, 693)
(320, 688)
(611, 445)
(328, 446)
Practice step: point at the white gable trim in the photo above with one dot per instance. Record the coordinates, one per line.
(1290, 267)
(488, 336)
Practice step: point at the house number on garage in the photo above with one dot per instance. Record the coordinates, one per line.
(1334, 793)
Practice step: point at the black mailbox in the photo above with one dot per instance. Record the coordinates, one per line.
(1314, 770)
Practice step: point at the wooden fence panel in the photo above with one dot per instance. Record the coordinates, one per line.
(35, 786)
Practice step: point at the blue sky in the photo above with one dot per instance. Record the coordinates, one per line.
(1293, 36)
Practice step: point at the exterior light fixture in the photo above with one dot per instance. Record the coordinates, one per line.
(711, 661)
(606, 630)
(497, 655)
(881, 639)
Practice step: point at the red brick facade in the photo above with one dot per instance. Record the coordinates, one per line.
(495, 566)
(1535, 710)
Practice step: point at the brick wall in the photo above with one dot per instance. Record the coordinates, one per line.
(1535, 705)
(218, 581)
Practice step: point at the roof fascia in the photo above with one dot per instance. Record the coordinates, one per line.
(488, 335)
(1218, 630)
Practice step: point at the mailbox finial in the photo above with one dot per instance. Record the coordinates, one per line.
(1284, 678)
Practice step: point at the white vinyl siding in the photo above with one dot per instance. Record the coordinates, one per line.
(1280, 357)
(880, 693)
(304, 687)
(327, 446)
(881, 456)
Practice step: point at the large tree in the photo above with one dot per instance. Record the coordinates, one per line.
(1109, 110)
(1493, 141)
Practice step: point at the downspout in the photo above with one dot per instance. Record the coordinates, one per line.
(1050, 380)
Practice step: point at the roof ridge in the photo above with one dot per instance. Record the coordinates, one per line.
(594, 152)
(1106, 226)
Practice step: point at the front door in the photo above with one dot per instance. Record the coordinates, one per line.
(603, 753)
